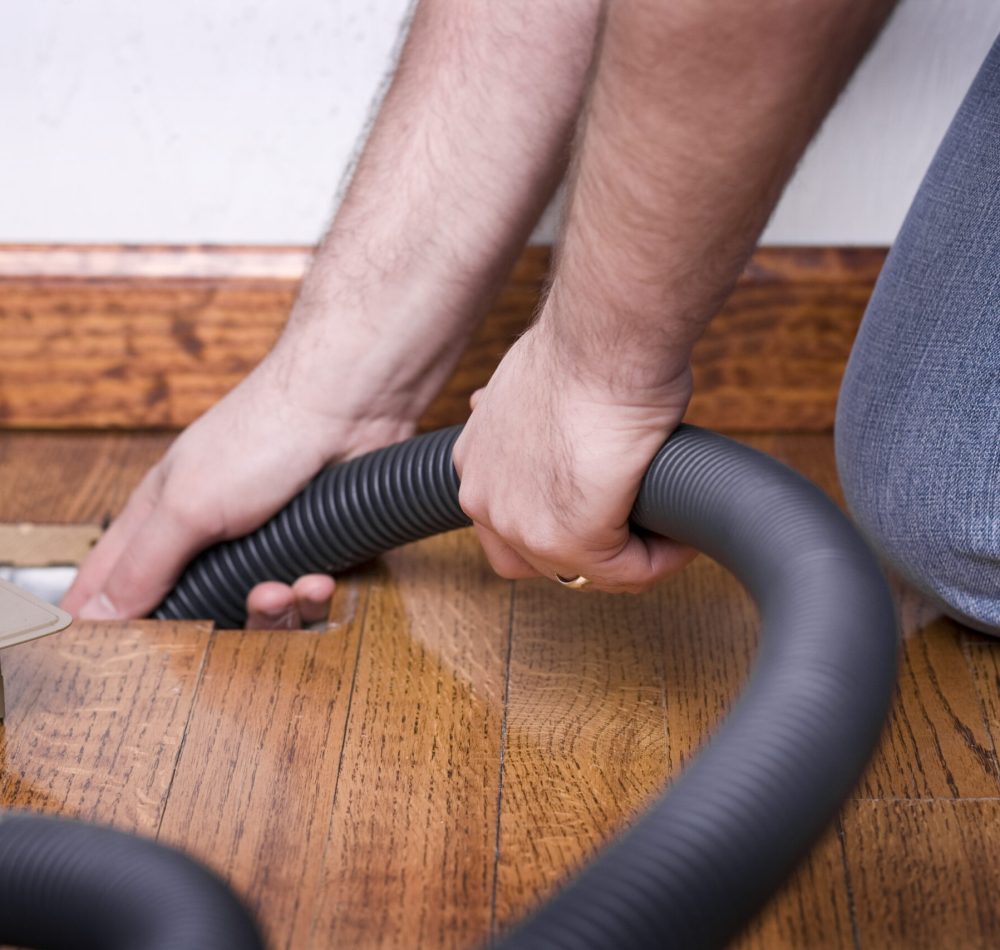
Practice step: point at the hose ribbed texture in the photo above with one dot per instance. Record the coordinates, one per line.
(66, 885)
(347, 515)
(708, 854)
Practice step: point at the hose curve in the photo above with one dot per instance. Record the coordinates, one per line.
(707, 855)
(65, 884)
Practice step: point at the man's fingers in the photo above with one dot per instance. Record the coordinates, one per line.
(640, 563)
(98, 565)
(138, 559)
(667, 557)
(272, 606)
(276, 606)
(644, 560)
(313, 593)
(149, 563)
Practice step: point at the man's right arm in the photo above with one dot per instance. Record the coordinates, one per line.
(467, 147)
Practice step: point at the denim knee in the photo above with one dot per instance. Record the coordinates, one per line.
(918, 422)
(925, 490)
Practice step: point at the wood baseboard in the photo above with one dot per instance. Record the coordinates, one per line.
(150, 337)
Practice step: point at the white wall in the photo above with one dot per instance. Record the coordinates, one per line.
(202, 121)
(858, 177)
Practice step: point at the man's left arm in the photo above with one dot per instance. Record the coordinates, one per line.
(696, 117)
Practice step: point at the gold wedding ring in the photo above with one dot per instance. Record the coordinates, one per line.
(576, 582)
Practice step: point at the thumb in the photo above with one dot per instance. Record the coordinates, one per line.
(150, 562)
(641, 562)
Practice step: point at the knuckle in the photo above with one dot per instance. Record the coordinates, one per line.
(149, 491)
(473, 504)
(506, 529)
(550, 547)
(178, 505)
(193, 512)
(505, 569)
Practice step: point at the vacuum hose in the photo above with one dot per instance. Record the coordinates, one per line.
(709, 853)
(64, 884)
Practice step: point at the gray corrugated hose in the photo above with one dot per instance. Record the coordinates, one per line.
(65, 885)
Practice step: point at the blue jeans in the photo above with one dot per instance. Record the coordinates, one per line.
(918, 422)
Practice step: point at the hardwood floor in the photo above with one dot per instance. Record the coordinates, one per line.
(435, 763)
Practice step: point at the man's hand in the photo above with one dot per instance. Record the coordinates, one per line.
(551, 462)
(690, 132)
(225, 475)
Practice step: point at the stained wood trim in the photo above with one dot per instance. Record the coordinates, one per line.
(96, 336)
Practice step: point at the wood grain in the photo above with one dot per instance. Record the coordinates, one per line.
(72, 477)
(925, 873)
(425, 772)
(937, 744)
(608, 699)
(708, 640)
(982, 653)
(412, 849)
(586, 734)
(256, 780)
(134, 338)
(96, 717)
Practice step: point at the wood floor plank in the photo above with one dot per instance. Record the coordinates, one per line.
(925, 873)
(72, 477)
(586, 733)
(255, 782)
(95, 719)
(936, 743)
(412, 846)
(809, 453)
(982, 653)
(696, 635)
(709, 635)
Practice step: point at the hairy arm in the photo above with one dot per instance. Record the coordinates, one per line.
(697, 117)
(468, 145)
(697, 114)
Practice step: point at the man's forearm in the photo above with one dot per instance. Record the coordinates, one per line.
(697, 116)
(469, 144)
